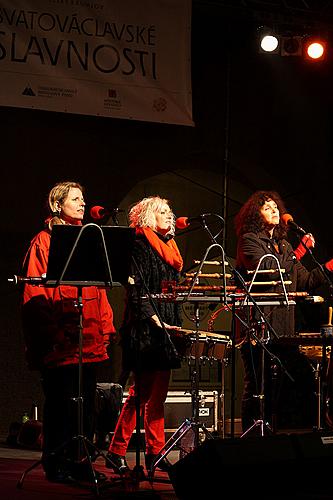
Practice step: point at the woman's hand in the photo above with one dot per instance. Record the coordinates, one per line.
(307, 242)
(157, 322)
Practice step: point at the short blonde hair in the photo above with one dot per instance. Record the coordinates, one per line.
(59, 193)
(143, 213)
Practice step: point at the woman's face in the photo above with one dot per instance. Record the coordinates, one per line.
(270, 213)
(72, 209)
(164, 218)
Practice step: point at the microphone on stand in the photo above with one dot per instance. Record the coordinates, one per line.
(289, 221)
(184, 222)
(98, 212)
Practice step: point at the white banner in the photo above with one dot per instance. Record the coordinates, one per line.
(118, 58)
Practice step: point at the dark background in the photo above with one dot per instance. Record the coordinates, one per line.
(261, 122)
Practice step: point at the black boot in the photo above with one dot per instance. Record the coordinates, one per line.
(118, 464)
(163, 465)
(56, 468)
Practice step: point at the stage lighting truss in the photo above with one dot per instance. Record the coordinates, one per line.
(309, 47)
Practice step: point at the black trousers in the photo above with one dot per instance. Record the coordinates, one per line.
(61, 412)
(288, 403)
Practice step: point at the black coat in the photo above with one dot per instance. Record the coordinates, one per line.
(145, 345)
(251, 247)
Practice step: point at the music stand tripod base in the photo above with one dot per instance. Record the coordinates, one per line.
(170, 444)
(183, 429)
(84, 441)
(259, 423)
(192, 423)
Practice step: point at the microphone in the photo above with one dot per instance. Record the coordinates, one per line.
(184, 222)
(98, 212)
(289, 221)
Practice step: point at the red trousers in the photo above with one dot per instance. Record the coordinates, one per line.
(153, 392)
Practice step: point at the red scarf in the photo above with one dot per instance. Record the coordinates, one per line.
(168, 251)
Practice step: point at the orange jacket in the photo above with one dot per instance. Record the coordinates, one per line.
(50, 316)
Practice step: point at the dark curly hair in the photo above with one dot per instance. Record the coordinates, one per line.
(249, 219)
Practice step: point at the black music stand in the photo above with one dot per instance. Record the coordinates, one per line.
(78, 258)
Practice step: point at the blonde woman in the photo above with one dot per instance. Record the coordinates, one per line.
(50, 320)
(148, 350)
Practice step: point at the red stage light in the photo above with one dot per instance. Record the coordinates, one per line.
(315, 49)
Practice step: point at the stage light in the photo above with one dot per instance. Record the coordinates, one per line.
(269, 43)
(267, 40)
(291, 45)
(314, 49)
(311, 44)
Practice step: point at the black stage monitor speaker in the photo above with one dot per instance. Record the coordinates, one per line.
(262, 467)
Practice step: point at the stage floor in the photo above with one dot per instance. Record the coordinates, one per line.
(221, 480)
(15, 461)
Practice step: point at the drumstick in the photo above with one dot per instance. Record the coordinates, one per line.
(211, 262)
(330, 316)
(277, 294)
(267, 271)
(218, 336)
(207, 275)
(273, 283)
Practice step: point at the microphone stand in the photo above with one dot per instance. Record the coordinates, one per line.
(114, 217)
(195, 392)
(323, 378)
(275, 360)
(234, 315)
(192, 424)
(233, 311)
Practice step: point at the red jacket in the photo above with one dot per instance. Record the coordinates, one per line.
(50, 317)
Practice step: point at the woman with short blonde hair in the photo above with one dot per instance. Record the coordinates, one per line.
(146, 333)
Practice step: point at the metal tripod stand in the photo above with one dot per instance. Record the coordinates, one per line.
(261, 422)
(320, 369)
(85, 447)
(193, 423)
(189, 424)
